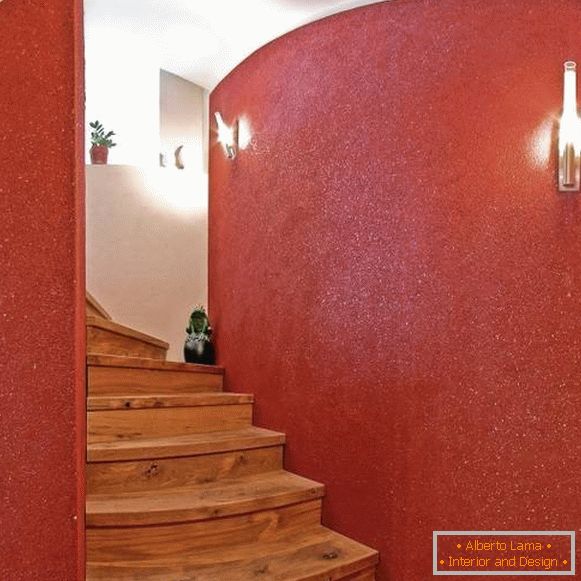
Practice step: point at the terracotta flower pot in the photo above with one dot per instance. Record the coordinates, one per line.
(99, 154)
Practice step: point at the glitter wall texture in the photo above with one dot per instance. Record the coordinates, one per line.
(42, 392)
(394, 275)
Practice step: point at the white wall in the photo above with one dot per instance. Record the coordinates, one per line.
(122, 91)
(182, 118)
(147, 247)
(147, 225)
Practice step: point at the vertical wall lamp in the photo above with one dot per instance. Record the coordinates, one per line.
(227, 136)
(569, 128)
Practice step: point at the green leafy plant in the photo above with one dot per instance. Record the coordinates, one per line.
(198, 347)
(199, 325)
(99, 136)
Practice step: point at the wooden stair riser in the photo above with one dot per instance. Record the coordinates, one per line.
(128, 381)
(112, 477)
(171, 572)
(109, 403)
(315, 555)
(108, 342)
(219, 499)
(170, 541)
(367, 575)
(113, 425)
(192, 445)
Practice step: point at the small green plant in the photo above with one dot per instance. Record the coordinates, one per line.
(99, 137)
(199, 326)
(198, 347)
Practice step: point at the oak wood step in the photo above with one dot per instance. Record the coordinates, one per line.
(317, 555)
(367, 575)
(222, 498)
(111, 375)
(164, 473)
(190, 445)
(110, 338)
(148, 401)
(172, 541)
(123, 424)
(93, 308)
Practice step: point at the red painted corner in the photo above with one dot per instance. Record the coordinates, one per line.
(42, 387)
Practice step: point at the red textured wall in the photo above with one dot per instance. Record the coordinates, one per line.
(41, 292)
(394, 275)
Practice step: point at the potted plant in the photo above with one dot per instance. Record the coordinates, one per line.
(198, 347)
(101, 143)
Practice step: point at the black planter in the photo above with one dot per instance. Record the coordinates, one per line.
(199, 351)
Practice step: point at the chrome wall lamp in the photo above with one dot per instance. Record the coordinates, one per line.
(232, 138)
(227, 136)
(569, 133)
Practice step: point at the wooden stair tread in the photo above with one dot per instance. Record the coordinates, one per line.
(96, 360)
(315, 555)
(213, 500)
(190, 445)
(172, 500)
(161, 400)
(108, 325)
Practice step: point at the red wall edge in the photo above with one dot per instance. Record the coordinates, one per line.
(394, 275)
(42, 368)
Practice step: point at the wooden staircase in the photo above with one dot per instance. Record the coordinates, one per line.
(182, 487)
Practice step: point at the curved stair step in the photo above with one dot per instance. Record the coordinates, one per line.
(173, 541)
(315, 555)
(167, 473)
(161, 400)
(112, 375)
(366, 575)
(179, 461)
(190, 445)
(207, 501)
(142, 418)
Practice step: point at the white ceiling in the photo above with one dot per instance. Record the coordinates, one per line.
(203, 40)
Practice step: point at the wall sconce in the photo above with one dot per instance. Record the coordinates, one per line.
(227, 136)
(569, 128)
(179, 157)
(182, 157)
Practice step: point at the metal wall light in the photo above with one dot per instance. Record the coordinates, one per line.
(227, 136)
(569, 133)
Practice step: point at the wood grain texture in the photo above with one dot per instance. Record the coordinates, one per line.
(367, 575)
(172, 541)
(206, 501)
(182, 487)
(316, 555)
(94, 308)
(114, 327)
(190, 445)
(116, 380)
(103, 426)
(141, 363)
(163, 473)
(120, 402)
(110, 338)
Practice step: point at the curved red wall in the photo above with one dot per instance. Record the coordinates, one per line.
(394, 275)
(42, 348)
